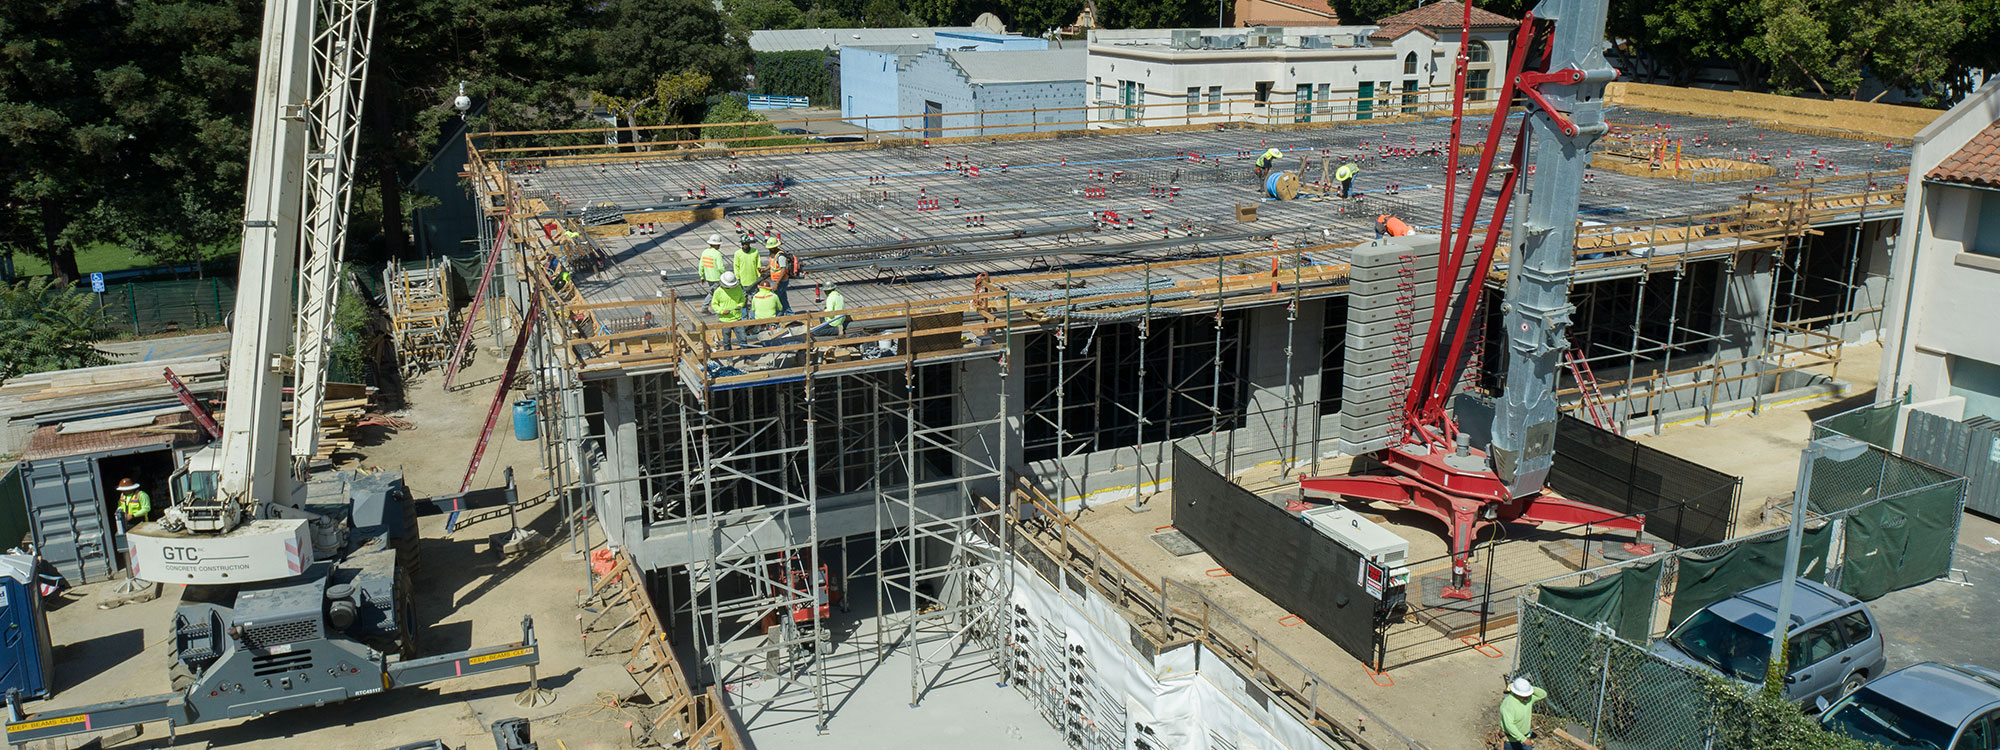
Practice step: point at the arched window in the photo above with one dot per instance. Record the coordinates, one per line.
(1410, 64)
(1477, 52)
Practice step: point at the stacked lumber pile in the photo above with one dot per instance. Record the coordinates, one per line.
(109, 397)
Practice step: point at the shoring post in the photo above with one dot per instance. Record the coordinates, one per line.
(1139, 419)
(1603, 681)
(1215, 388)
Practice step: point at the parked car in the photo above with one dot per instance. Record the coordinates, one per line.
(839, 138)
(795, 131)
(1834, 646)
(1924, 706)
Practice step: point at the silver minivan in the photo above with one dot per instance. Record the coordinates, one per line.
(1834, 644)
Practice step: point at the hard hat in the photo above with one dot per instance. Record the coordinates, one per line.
(826, 285)
(1521, 688)
(128, 484)
(715, 240)
(771, 242)
(729, 278)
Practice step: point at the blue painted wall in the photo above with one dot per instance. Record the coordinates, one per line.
(868, 86)
(933, 77)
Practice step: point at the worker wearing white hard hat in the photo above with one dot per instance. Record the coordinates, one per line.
(1517, 713)
(727, 303)
(134, 505)
(711, 260)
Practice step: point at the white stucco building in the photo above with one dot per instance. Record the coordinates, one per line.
(1940, 342)
(1290, 74)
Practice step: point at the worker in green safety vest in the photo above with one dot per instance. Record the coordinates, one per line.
(1265, 161)
(746, 264)
(1517, 713)
(764, 304)
(727, 303)
(834, 302)
(1345, 174)
(134, 505)
(711, 260)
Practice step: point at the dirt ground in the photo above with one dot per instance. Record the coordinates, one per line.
(466, 597)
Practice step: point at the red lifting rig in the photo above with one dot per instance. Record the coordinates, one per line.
(1435, 469)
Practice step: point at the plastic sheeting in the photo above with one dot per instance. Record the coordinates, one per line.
(1900, 542)
(1184, 698)
(1705, 581)
(1623, 600)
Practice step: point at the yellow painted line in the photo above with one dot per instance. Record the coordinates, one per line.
(1749, 409)
(502, 655)
(27, 726)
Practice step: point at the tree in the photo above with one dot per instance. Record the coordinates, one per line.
(727, 110)
(641, 39)
(1154, 14)
(670, 95)
(1831, 47)
(885, 14)
(46, 325)
(765, 14)
(1037, 17)
(1670, 40)
(825, 17)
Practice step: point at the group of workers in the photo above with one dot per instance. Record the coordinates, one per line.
(749, 280)
(1269, 160)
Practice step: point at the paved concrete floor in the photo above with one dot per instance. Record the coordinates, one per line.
(166, 347)
(1943, 621)
(466, 597)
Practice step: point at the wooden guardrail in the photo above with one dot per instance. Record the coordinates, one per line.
(627, 624)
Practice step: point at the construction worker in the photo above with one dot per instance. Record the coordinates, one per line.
(1345, 174)
(764, 304)
(746, 264)
(1390, 226)
(833, 324)
(1517, 713)
(134, 505)
(727, 303)
(711, 260)
(784, 266)
(1267, 160)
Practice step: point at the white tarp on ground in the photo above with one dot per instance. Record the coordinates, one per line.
(1105, 694)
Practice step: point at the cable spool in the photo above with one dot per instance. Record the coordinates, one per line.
(1283, 186)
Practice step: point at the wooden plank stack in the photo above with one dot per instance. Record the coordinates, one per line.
(97, 397)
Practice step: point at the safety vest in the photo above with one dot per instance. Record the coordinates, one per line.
(1346, 172)
(727, 303)
(746, 268)
(1394, 227)
(783, 266)
(711, 264)
(764, 304)
(1269, 155)
(835, 303)
(136, 504)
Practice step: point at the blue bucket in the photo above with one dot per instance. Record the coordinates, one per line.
(526, 427)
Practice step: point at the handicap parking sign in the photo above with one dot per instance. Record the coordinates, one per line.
(97, 283)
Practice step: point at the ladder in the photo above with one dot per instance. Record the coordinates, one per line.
(472, 310)
(499, 398)
(1590, 397)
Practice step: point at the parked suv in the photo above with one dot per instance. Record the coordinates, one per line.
(1834, 643)
(1924, 706)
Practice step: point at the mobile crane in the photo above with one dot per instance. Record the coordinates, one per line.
(1557, 70)
(296, 593)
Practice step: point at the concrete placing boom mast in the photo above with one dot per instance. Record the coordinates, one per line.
(1557, 66)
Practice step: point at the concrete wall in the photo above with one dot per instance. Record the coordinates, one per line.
(868, 87)
(933, 77)
(1942, 297)
(1165, 75)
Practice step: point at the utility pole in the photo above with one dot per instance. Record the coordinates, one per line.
(1838, 448)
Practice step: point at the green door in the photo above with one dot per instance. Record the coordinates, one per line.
(1364, 96)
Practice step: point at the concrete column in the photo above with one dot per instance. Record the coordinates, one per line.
(1746, 300)
(621, 503)
(980, 389)
(1273, 431)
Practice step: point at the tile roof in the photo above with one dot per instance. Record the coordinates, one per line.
(1446, 13)
(1392, 33)
(1977, 163)
(1314, 6)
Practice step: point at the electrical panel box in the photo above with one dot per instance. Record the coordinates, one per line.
(1374, 543)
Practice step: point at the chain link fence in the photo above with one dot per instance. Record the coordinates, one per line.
(1873, 525)
(145, 308)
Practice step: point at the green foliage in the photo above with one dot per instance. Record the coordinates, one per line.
(1155, 14)
(1037, 17)
(1829, 47)
(765, 14)
(45, 325)
(733, 109)
(796, 73)
(1756, 720)
(353, 332)
(885, 14)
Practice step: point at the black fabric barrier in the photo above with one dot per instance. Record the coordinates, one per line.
(1685, 503)
(1277, 554)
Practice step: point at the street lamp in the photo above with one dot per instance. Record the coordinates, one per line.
(1836, 448)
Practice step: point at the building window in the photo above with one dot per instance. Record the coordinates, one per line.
(1131, 95)
(1382, 90)
(1302, 103)
(1475, 52)
(1263, 92)
(1097, 89)
(1194, 99)
(1410, 96)
(1215, 98)
(1475, 85)
(1325, 94)
(1410, 64)
(1986, 236)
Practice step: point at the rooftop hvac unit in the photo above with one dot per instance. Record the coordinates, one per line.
(1316, 42)
(1365, 537)
(1187, 39)
(1259, 41)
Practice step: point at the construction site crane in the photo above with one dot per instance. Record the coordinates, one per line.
(1556, 70)
(297, 593)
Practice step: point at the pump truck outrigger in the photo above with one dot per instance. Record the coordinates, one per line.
(1558, 72)
(296, 593)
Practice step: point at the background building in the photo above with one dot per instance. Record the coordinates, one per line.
(1940, 348)
(986, 92)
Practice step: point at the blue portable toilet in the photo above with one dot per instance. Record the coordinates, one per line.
(525, 425)
(26, 656)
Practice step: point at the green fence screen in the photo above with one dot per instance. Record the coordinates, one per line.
(1623, 600)
(1705, 581)
(1900, 542)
